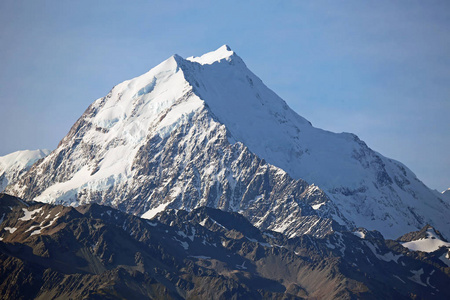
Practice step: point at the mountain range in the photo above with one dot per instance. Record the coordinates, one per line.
(201, 143)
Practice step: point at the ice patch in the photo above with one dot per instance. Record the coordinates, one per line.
(11, 230)
(152, 224)
(416, 277)
(269, 235)
(317, 206)
(329, 245)
(154, 211)
(359, 234)
(183, 244)
(36, 232)
(29, 214)
(215, 222)
(31, 228)
(184, 235)
(203, 222)
(428, 280)
(191, 237)
(399, 278)
(242, 266)
(39, 231)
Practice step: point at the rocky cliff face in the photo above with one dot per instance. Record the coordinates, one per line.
(97, 252)
(205, 131)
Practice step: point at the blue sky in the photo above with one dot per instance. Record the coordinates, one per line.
(379, 69)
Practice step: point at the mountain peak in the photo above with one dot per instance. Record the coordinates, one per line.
(226, 47)
(224, 52)
(177, 58)
(200, 132)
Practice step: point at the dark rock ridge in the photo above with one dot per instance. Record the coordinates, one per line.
(96, 252)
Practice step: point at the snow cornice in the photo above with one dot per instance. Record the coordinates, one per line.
(222, 53)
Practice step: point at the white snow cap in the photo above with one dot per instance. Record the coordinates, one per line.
(223, 52)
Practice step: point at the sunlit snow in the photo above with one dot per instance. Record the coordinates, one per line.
(29, 214)
(359, 234)
(11, 230)
(317, 206)
(429, 244)
(154, 211)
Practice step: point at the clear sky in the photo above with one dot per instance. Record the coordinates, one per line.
(379, 69)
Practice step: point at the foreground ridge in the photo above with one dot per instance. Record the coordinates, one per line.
(93, 251)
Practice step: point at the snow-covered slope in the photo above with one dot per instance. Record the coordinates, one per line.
(192, 132)
(15, 164)
(430, 243)
(426, 240)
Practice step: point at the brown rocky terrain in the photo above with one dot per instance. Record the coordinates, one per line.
(96, 252)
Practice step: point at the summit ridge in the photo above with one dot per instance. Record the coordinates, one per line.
(224, 52)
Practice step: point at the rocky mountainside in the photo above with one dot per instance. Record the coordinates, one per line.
(13, 165)
(96, 252)
(205, 131)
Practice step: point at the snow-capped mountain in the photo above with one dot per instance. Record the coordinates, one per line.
(207, 131)
(15, 164)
